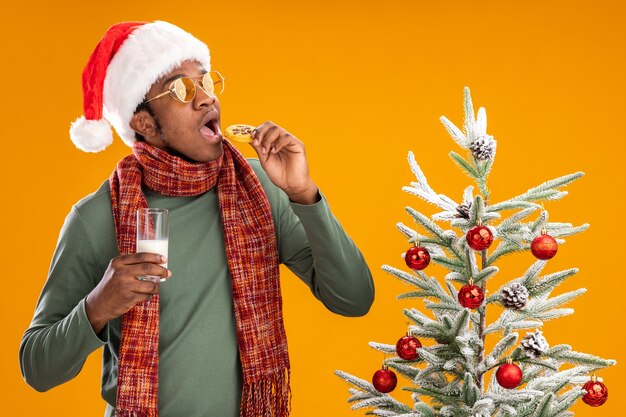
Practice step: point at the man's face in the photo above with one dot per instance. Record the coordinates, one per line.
(189, 130)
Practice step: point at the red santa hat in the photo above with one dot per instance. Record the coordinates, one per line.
(129, 58)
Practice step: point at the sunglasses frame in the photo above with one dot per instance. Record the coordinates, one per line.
(171, 90)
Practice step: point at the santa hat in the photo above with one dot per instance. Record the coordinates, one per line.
(129, 58)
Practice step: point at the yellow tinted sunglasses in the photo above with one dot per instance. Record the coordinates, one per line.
(183, 89)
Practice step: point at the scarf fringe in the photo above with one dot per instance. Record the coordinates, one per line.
(267, 397)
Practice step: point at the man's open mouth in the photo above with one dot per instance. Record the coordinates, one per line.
(214, 126)
(211, 127)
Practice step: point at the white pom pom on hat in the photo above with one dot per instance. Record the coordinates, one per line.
(129, 58)
(91, 135)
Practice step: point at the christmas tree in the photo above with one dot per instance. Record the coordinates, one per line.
(448, 377)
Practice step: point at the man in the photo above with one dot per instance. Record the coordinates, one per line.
(210, 340)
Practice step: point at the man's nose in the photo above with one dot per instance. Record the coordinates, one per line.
(203, 99)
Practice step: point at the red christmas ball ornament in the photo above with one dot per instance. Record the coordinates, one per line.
(407, 346)
(479, 237)
(597, 393)
(509, 375)
(417, 258)
(471, 296)
(544, 246)
(384, 380)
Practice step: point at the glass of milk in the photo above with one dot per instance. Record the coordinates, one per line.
(152, 235)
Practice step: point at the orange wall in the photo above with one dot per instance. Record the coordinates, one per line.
(361, 83)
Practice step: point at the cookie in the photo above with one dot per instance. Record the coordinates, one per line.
(239, 133)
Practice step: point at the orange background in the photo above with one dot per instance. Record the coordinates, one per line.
(361, 83)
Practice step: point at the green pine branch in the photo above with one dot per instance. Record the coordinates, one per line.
(563, 353)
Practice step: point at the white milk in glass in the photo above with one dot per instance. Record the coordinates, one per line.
(153, 246)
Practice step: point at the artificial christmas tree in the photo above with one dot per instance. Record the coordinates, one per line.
(448, 376)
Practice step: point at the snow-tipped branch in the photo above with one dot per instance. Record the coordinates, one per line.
(425, 191)
(385, 402)
(457, 135)
(545, 191)
(358, 382)
(428, 287)
(547, 283)
(563, 353)
(498, 351)
(538, 309)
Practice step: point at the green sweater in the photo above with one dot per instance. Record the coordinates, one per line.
(198, 337)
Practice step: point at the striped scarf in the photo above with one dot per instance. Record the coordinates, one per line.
(251, 248)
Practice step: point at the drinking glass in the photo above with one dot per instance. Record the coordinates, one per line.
(152, 235)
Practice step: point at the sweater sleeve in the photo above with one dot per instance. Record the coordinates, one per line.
(59, 339)
(313, 244)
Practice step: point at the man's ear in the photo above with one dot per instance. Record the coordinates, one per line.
(144, 124)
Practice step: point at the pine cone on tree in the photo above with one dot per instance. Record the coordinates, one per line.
(535, 344)
(462, 210)
(484, 147)
(515, 296)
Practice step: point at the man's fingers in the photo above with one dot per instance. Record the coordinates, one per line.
(260, 131)
(138, 270)
(285, 140)
(141, 298)
(270, 136)
(138, 258)
(147, 287)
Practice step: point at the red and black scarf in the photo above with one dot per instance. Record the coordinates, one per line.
(251, 248)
